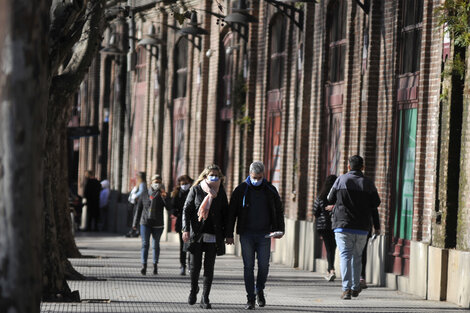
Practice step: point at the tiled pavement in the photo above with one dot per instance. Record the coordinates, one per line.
(119, 287)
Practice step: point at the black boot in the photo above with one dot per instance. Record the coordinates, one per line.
(193, 296)
(194, 288)
(183, 270)
(260, 298)
(155, 269)
(143, 271)
(206, 289)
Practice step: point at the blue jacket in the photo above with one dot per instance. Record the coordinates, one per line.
(355, 197)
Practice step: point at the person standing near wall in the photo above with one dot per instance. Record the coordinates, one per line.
(322, 213)
(355, 196)
(104, 203)
(205, 225)
(92, 195)
(259, 212)
(178, 198)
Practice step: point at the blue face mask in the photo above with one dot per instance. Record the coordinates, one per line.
(256, 182)
(213, 178)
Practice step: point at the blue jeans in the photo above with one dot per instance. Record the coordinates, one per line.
(145, 232)
(350, 251)
(252, 243)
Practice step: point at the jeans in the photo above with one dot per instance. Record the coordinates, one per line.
(145, 232)
(350, 250)
(252, 243)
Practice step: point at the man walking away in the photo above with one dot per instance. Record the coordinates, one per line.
(257, 206)
(355, 196)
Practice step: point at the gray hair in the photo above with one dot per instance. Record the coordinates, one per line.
(257, 167)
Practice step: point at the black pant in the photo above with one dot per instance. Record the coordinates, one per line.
(182, 252)
(210, 252)
(330, 245)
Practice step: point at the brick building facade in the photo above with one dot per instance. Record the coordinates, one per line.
(302, 89)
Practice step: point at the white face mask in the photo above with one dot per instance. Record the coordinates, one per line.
(213, 178)
(185, 187)
(156, 186)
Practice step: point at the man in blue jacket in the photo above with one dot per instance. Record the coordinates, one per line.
(355, 197)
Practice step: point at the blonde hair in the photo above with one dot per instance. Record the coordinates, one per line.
(206, 171)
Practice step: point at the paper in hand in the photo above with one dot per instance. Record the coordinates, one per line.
(274, 234)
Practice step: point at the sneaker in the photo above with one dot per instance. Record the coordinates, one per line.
(330, 276)
(193, 296)
(205, 304)
(356, 293)
(260, 298)
(346, 295)
(362, 284)
(250, 305)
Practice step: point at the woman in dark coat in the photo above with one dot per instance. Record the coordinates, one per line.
(322, 213)
(149, 215)
(178, 198)
(205, 226)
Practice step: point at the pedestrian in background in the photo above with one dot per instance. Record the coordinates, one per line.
(259, 212)
(355, 196)
(133, 200)
(92, 198)
(178, 198)
(104, 203)
(322, 213)
(205, 225)
(149, 215)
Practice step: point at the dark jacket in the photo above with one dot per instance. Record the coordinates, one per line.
(92, 194)
(219, 216)
(322, 216)
(239, 206)
(150, 209)
(355, 196)
(177, 205)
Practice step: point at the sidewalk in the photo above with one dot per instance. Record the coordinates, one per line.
(121, 288)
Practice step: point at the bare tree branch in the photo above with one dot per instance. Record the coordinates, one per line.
(67, 83)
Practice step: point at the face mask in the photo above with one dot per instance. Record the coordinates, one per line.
(256, 182)
(213, 178)
(185, 187)
(156, 186)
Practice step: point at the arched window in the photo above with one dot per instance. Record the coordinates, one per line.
(277, 59)
(405, 130)
(334, 83)
(179, 106)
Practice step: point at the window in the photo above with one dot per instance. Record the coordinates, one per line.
(410, 37)
(336, 41)
(140, 67)
(278, 52)
(181, 68)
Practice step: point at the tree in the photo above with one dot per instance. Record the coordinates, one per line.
(75, 34)
(46, 48)
(24, 76)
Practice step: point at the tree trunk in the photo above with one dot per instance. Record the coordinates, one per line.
(57, 234)
(24, 87)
